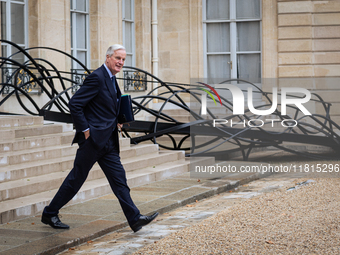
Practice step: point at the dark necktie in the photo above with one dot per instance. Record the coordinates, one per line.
(113, 79)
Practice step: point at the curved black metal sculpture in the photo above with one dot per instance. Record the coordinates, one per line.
(205, 138)
(313, 129)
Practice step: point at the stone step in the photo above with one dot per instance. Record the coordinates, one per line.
(124, 142)
(29, 169)
(42, 130)
(14, 121)
(43, 166)
(137, 150)
(35, 168)
(37, 154)
(32, 204)
(36, 184)
(7, 135)
(34, 154)
(24, 132)
(169, 169)
(152, 160)
(33, 142)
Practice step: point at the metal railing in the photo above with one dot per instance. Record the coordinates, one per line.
(42, 76)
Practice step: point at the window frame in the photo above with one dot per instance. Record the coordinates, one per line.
(233, 53)
(133, 39)
(9, 26)
(74, 48)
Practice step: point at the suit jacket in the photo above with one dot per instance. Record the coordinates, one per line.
(95, 106)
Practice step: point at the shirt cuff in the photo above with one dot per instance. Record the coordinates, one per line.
(86, 129)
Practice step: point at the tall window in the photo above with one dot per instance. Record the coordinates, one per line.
(129, 31)
(232, 39)
(14, 27)
(80, 32)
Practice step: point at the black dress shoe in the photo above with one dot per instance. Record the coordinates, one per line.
(53, 221)
(142, 221)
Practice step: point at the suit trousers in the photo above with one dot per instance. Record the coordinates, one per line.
(109, 160)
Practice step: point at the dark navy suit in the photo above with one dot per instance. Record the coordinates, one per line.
(95, 105)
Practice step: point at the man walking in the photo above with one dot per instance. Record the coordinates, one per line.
(94, 109)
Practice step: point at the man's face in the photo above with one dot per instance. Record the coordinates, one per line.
(116, 61)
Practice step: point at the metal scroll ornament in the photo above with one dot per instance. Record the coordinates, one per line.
(134, 81)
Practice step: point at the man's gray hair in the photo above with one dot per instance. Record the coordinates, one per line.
(113, 48)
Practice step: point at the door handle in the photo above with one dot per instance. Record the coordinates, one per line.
(231, 64)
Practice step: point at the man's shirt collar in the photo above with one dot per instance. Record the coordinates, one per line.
(108, 71)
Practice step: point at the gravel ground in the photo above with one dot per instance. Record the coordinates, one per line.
(304, 220)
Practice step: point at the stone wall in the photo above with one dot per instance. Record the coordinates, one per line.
(269, 40)
(143, 34)
(180, 40)
(309, 46)
(105, 28)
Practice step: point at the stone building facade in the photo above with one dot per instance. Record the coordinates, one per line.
(297, 38)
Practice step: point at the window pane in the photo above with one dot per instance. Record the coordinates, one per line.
(248, 9)
(248, 36)
(218, 37)
(128, 14)
(3, 21)
(81, 56)
(19, 57)
(4, 54)
(81, 5)
(249, 67)
(217, 9)
(4, 50)
(218, 66)
(17, 20)
(81, 30)
(128, 37)
(71, 31)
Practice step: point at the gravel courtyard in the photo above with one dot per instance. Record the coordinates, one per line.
(304, 220)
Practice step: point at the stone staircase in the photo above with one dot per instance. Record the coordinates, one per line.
(36, 156)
